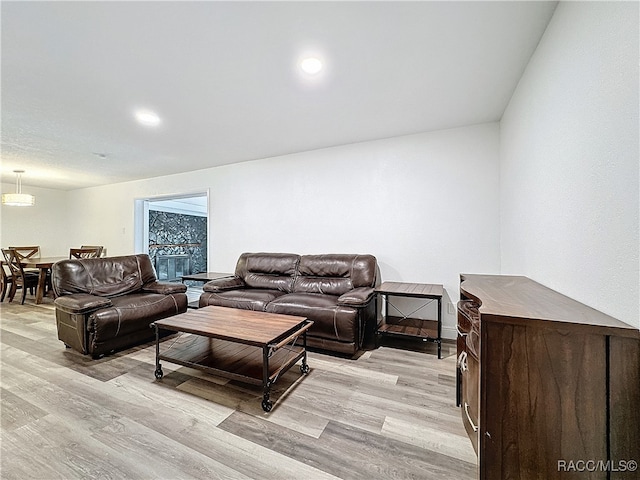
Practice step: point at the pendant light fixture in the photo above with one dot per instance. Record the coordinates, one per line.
(18, 199)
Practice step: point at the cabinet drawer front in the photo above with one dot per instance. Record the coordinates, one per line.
(470, 398)
(467, 315)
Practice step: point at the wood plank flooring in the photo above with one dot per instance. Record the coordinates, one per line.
(389, 414)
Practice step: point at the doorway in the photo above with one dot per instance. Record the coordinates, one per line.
(173, 231)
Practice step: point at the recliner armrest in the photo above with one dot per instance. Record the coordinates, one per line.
(358, 297)
(164, 288)
(81, 303)
(222, 284)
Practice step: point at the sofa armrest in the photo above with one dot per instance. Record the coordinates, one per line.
(222, 284)
(165, 288)
(358, 297)
(81, 303)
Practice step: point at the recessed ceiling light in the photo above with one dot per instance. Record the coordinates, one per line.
(311, 65)
(147, 118)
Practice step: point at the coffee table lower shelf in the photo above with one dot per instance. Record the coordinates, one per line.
(245, 363)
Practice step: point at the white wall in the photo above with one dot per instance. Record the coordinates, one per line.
(551, 193)
(37, 225)
(569, 160)
(425, 205)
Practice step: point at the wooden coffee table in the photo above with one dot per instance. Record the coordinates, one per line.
(253, 347)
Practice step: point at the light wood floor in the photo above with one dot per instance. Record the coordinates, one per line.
(389, 414)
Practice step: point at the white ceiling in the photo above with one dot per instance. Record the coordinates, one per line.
(223, 77)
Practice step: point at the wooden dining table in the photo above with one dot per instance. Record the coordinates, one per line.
(43, 264)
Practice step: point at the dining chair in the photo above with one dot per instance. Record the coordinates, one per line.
(27, 252)
(19, 278)
(84, 252)
(6, 280)
(102, 250)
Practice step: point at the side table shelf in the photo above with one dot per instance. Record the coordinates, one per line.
(203, 277)
(405, 325)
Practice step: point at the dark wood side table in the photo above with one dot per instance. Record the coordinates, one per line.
(405, 326)
(205, 276)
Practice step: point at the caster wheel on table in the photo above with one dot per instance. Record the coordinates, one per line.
(158, 373)
(267, 405)
(304, 368)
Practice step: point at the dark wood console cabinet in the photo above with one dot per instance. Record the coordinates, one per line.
(548, 388)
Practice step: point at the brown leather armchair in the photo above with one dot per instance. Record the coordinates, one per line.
(336, 291)
(107, 304)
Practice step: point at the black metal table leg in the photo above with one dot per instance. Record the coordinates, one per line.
(304, 368)
(439, 328)
(267, 405)
(158, 373)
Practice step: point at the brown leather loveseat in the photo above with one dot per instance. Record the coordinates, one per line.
(106, 304)
(336, 291)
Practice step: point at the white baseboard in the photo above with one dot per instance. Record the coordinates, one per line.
(450, 333)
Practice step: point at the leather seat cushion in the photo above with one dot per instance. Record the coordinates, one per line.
(247, 299)
(133, 312)
(330, 320)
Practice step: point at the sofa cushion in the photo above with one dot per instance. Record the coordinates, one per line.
(273, 271)
(334, 274)
(358, 297)
(80, 303)
(330, 320)
(247, 299)
(222, 284)
(165, 288)
(133, 312)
